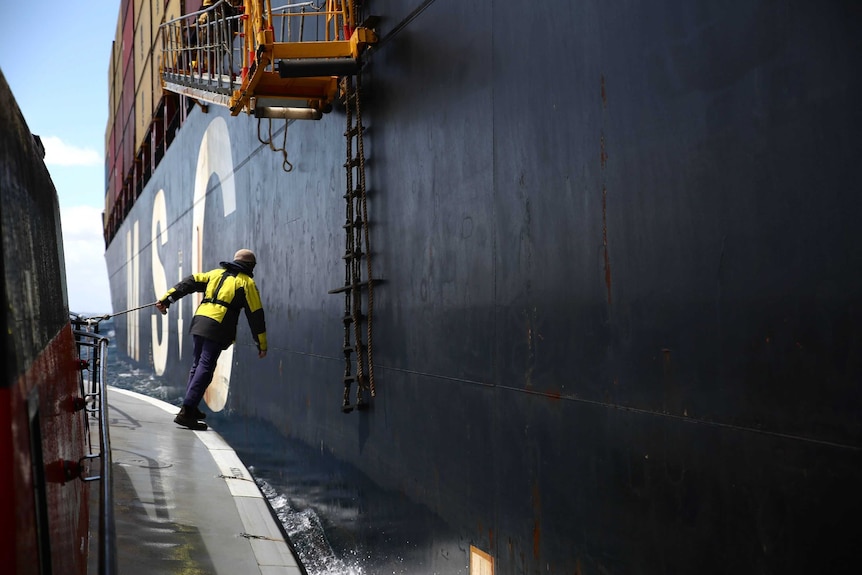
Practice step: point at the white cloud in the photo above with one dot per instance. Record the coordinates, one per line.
(59, 153)
(84, 251)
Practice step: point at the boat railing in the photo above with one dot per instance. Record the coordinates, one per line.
(92, 350)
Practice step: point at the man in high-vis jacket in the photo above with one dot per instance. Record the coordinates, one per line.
(228, 290)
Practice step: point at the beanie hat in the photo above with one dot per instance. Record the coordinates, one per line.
(245, 255)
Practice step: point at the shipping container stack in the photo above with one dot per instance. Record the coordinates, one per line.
(142, 118)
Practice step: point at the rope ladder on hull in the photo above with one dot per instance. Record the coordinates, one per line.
(357, 251)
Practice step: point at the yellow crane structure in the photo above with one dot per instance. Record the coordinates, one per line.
(282, 62)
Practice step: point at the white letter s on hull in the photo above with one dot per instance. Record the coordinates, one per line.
(159, 322)
(214, 158)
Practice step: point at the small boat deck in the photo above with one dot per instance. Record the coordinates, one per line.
(183, 500)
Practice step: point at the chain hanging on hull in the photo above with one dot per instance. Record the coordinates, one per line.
(357, 250)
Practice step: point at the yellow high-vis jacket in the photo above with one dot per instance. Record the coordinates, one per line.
(227, 290)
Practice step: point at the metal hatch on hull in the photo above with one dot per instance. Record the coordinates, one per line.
(282, 62)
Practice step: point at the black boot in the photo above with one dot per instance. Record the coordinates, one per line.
(187, 420)
(197, 413)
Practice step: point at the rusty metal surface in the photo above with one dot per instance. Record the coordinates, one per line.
(41, 434)
(35, 308)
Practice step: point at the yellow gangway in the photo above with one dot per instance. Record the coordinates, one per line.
(282, 62)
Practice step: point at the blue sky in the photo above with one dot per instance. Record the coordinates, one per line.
(55, 58)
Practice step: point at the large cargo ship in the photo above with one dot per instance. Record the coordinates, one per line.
(577, 284)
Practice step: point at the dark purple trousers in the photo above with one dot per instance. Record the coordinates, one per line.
(206, 355)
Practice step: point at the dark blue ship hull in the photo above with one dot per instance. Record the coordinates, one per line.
(617, 328)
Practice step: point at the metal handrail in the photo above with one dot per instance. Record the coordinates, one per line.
(93, 353)
(194, 15)
(202, 54)
(242, 56)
